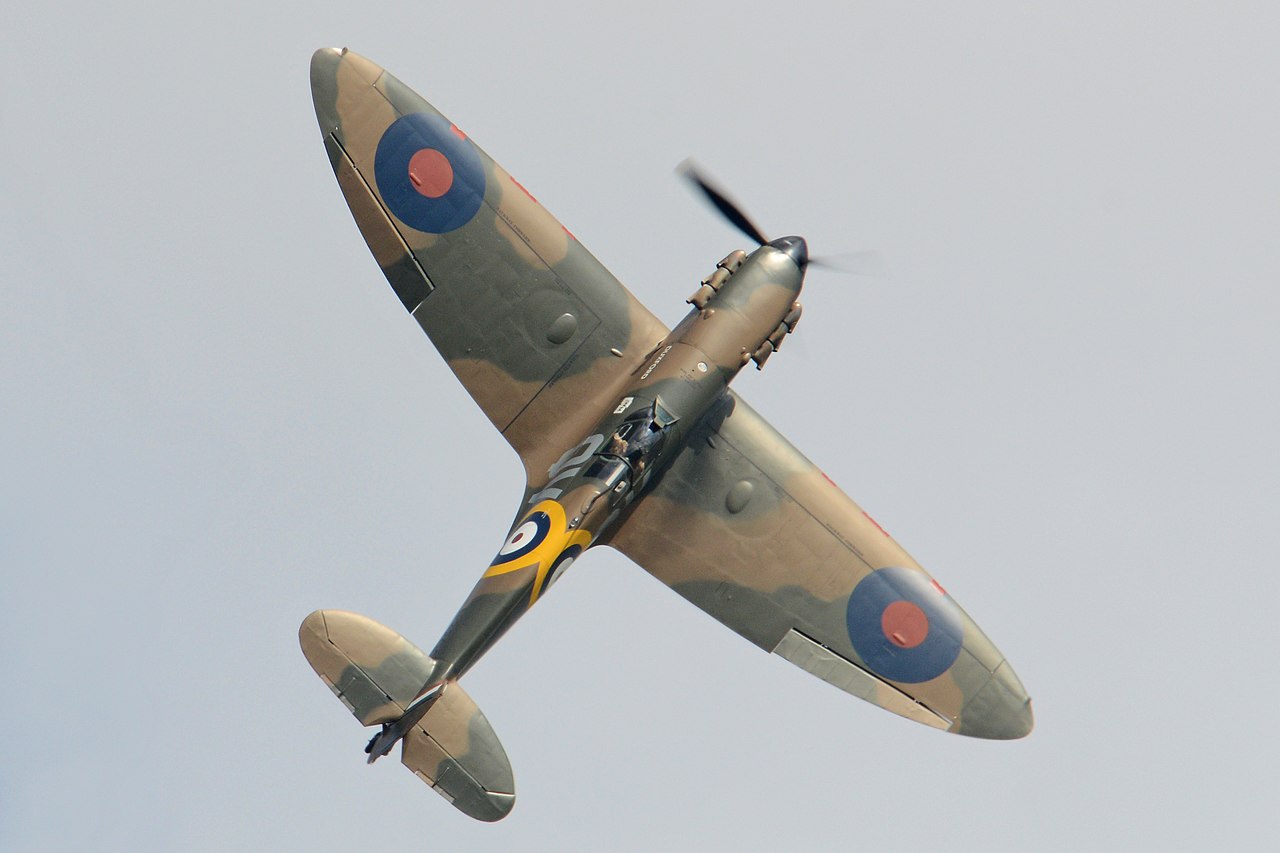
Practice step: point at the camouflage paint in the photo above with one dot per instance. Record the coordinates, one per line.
(376, 673)
(570, 367)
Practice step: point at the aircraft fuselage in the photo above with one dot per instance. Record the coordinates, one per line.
(594, 482)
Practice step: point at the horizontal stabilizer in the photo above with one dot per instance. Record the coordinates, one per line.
(377, 674)
(372, 669)
(454, 750)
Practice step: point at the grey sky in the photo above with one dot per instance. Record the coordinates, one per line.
(216, 418)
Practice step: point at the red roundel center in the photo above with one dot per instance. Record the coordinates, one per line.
(904, 624)
(430, 173)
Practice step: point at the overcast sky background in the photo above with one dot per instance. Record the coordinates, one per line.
(216, 417)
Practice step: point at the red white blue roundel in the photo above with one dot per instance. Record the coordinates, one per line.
(903, 626)
(429, 173)
(523, 539)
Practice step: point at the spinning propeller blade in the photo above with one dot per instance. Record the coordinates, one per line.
(727, 208)
(864, 263)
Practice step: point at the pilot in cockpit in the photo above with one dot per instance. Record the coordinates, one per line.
(639, 438)
(634, 445)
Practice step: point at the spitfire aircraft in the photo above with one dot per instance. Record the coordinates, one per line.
(630, 437)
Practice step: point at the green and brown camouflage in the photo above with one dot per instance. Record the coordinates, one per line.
(378, 674)
(630, 437)
(498, 288)
(594, 482)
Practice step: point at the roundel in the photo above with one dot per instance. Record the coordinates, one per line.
(903, 626)
(429, 174)
(564, 561)
(523, 539)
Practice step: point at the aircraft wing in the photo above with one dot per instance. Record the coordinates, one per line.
(528, 320)
(746, 528)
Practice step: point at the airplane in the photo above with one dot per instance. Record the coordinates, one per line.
(630, 437)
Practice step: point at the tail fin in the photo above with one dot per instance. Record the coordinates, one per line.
(377, 673)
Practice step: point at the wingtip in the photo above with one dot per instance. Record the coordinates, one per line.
(1001, 710)
(501, 807)
(334, 68)
(313, 625)
(324, 59)
(324, 86)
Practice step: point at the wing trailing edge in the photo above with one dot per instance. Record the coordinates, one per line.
(817, 659)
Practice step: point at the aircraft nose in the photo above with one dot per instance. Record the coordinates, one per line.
(793, 247)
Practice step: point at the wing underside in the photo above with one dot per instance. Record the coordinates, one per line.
(544, 338)
(539, 333)
(746, 528)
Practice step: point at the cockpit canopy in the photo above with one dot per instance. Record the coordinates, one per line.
(639, 438)
(635, 444)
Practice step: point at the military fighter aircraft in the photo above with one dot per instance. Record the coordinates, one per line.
(630, 437)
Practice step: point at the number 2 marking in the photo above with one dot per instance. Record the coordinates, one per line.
(570, 464)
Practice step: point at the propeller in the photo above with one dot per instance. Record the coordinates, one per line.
(864, 263)
(867, 262)
(727, 208)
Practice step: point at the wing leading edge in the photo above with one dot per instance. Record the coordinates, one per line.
(749, 530)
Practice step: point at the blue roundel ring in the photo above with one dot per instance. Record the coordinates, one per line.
(523, 539)
(567, 556)
(458, 189)
(931, 633)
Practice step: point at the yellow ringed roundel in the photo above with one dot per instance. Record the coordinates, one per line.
(542, 540)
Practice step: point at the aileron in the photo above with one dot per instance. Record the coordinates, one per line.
(853, 679)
